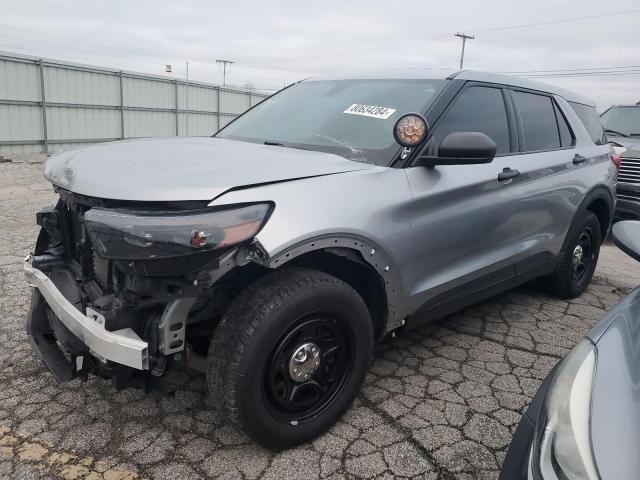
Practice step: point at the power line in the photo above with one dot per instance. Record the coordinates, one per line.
(584, 69)
(557, 22)
(585, 74)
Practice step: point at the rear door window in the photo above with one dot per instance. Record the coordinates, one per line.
(539, 124)
(477, 109)
(591, 121)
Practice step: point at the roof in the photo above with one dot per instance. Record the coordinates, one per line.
(472, 75)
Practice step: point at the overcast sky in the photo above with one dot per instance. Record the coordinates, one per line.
(275, 43)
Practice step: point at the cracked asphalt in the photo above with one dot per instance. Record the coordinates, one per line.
(440, 402)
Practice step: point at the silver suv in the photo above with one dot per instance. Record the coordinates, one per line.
(328, 217)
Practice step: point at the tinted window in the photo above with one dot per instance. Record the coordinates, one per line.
(591, 121)
(538, 121)
(477, 109)
(566, 137)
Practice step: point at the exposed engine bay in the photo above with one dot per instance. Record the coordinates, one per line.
(171, 298)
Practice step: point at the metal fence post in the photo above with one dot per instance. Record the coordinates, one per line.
(177, 124)
(218, 90)
(121, 106)
(44, 108)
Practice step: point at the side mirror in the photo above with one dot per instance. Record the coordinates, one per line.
(463, 148)
(626, 236)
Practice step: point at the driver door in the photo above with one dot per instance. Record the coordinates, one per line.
(465, 221)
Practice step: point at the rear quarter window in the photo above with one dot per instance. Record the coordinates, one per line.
(591, 120)
(566, 137)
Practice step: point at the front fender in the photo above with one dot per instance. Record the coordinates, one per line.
(367, 251)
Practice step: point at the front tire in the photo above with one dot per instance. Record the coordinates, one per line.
(579, 259)
(290, 355)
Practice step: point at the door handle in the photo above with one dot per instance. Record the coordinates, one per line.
(578, 159)
(507, 173)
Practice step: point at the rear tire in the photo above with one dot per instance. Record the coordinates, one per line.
(579, 259)
(290, 356)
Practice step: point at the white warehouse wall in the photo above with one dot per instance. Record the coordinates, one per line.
(85, 104)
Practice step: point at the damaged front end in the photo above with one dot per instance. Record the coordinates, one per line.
(126, 289)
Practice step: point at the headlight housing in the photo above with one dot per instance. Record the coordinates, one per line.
(128, 235)
(562, 442)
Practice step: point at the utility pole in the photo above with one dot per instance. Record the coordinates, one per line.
(224, 64)
(464, 38)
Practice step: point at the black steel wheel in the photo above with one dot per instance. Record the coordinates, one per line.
(290, 355)
(582, 256)
(308, 367)
(579, 258)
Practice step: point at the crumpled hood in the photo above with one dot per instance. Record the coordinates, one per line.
(174, 169)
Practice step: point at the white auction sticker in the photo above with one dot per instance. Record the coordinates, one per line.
(370, 111)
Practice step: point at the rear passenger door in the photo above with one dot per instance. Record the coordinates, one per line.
(552, 178)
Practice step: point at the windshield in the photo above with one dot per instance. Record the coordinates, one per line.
(351, 118)
(624, 120)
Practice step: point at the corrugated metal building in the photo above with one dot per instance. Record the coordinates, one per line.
(48, 105)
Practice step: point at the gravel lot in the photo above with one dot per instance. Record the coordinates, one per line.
(440, 403)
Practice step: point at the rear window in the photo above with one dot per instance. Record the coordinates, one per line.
(538, 121)
(591, 121)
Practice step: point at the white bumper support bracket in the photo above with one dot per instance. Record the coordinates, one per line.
(121, 346)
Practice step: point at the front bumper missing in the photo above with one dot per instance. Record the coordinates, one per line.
(122, 346)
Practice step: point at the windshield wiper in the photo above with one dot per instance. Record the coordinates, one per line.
(615, 132)
(278, 144)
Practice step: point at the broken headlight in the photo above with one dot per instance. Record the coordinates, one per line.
(121, 235)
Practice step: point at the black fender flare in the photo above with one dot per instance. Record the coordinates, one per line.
(368, 252)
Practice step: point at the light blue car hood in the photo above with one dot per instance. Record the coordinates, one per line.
(174, 169)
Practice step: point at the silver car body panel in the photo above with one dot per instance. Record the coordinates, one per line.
(122, 346)
(433, 229)
(173, 169)
(615, 410)
(442, 228)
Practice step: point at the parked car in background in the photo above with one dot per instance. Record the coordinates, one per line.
(628, 187)
(332, 214)
(584, 421)
(622, 126)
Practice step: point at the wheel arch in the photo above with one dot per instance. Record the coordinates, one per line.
(358, 262)
(599, 201)
(603, 209)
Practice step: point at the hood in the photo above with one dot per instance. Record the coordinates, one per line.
(633, 152)
(627, 142)
(174, 169)
(615, 409)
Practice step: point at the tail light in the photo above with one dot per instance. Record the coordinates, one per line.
(615, 158)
